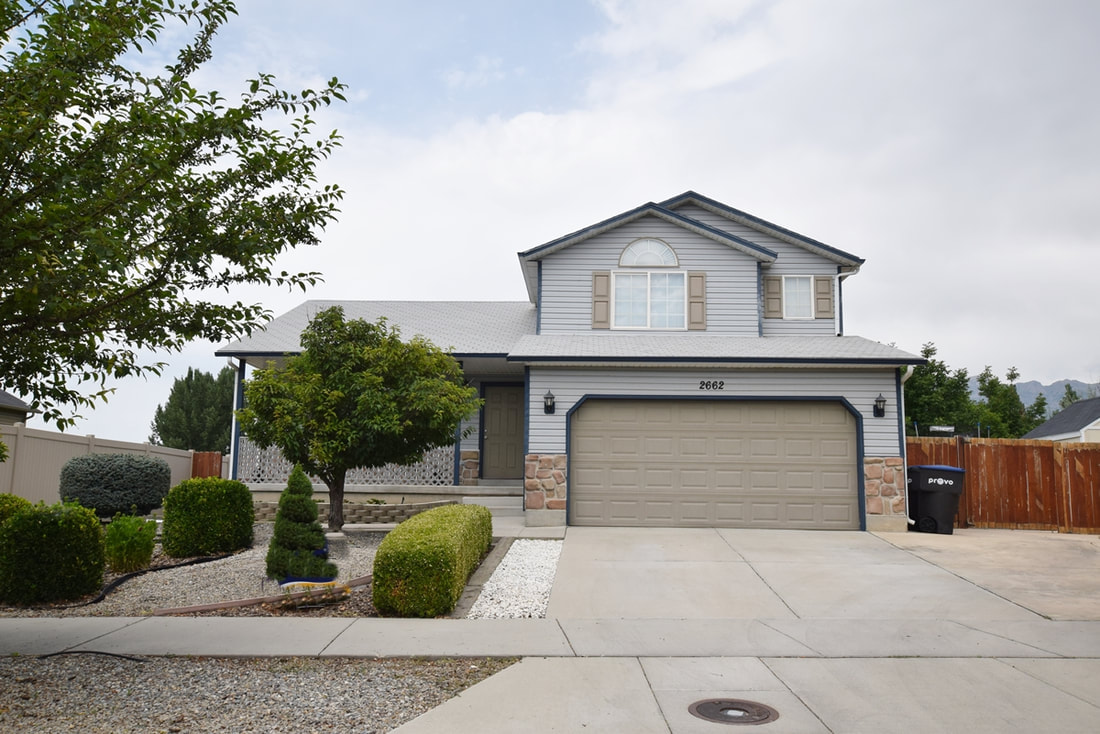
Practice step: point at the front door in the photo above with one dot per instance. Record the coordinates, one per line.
(502, 432)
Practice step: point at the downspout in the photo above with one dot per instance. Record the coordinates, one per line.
(904, 447)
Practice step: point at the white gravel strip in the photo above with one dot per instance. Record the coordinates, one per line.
(520, 586)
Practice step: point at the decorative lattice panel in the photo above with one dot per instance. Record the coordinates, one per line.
(267, 466)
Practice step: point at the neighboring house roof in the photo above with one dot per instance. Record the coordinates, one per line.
(460, 327)
(701, 348)
(1070, 422)
(10, 402)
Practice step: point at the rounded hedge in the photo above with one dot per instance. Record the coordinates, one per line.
(50, 553)
(116, 483)
(205, 516)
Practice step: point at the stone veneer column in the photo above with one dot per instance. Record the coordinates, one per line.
(544, 482)
(468, 467)
(884, 487)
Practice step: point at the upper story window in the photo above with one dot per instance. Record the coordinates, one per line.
(648, 253)
(649, 291)
(649, 299)
(797, 297)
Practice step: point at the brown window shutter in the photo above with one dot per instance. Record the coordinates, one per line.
(697, 301)
(773, 297)
(601, 300)
(823, 297)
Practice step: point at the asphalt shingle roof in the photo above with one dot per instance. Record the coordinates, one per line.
(460, 327)
(681, 347)
(1071, 420)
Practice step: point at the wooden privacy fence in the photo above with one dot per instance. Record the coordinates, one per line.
(1036, 485)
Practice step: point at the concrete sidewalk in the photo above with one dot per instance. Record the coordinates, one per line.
(846, 632)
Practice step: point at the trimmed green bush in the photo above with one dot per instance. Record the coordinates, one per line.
(298, 534)
(128, 543)
(50, 553)
(116, 483)
(10, 504)
(205, 516)
(422, 566)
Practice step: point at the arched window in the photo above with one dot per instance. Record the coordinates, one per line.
(645, 299)
(648, 253)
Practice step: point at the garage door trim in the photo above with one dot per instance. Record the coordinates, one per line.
(844, 402)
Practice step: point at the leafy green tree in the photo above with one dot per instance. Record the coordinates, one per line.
(198, 414)
(129, 199)
(357, 396)
(1001, 411)
(1068, 398)
(935, 395)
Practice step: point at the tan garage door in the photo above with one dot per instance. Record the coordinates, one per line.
(715, 463)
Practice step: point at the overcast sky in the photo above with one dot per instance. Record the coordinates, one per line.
(953, 144)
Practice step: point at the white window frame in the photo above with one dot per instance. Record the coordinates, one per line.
(787, 316)
(649, 300)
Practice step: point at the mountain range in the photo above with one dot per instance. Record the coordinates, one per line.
(1030, 390)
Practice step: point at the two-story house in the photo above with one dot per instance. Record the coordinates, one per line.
(680, 364)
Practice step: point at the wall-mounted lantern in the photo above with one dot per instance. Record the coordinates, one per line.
(548, 402)
(880, 406)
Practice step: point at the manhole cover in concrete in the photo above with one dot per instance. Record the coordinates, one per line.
(733, 711)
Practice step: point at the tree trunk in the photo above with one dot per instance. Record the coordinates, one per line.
(336, 502)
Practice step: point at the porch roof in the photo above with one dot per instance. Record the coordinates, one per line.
(462, 328)
(700, 348)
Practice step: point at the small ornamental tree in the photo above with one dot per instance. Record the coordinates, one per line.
(357, 396)
(298, 534)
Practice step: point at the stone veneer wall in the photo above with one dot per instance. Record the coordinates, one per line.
(884, 485)
(544, 482)
(468, 467)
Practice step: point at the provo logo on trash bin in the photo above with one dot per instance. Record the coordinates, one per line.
(941, 481)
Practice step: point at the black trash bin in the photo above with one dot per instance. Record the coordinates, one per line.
(934, 497)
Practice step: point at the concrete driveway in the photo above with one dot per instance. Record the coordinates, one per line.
(987, 631)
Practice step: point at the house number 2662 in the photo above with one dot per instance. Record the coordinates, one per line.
(712, 384)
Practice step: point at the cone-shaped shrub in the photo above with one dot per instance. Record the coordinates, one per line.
(298, 534)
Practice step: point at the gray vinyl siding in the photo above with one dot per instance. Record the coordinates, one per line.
(566, 295)
(860, 387)
(792, 260)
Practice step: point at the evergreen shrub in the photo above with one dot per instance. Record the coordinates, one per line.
(422, 565)
(128, 543)
(50, 553)
(115, 483)
(10, 504)
(298, 537)
(205, 516)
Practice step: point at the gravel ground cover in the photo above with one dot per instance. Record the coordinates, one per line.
(102, 693)
(99, 693)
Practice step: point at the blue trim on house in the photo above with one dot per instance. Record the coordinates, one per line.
(457, 469)
(759, 299)
(861, 489)
(238, 403)
(689, 196)
(526, 429)
(538, 305)
(648, 208)
(718, 360)
(840, 303)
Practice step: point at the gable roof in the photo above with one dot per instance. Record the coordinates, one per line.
(462, 328)
(1069, 422)
(529, 258)
(762, 225)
